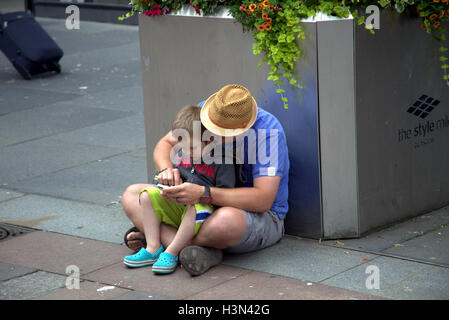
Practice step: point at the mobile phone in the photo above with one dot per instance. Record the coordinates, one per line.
(161, 186)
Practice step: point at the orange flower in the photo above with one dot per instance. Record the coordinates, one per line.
(252, 7)
(436, 1)
(265, 3)
(269, 20)
(436, 24)
(261, 27)
(267, 26)
(433, 16)
(444, 1)
(423, 26)
(264, 15)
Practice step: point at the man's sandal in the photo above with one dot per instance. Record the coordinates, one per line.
(142, 258)
(139, 242)
(166, 263)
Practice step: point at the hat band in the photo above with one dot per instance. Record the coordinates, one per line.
(226, 126)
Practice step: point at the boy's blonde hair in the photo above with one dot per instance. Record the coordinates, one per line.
(186, 117)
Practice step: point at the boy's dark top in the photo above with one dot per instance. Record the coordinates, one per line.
(213, 175)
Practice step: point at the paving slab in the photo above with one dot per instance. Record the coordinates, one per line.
(395, 277)
(388, 237)
(139, 295)
(87, 290)
(431, 247)
(68, 217)
(264, 286)
(101, 182)
(53, 252)
(90, 36)
(123, 99)
(56, 118)
(39, 157)
(139, 153)
(86, 72)
(30, 286)
(178, 285)
(6, 194)
(86, 27)
(9, 271)
(432, 283)
(299, 258)
(16, 99)
(128, 134)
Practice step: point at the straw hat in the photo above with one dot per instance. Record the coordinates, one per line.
(230, 111)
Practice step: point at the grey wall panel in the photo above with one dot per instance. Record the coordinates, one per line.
(300, 123)
(337, 128)
(401, 173)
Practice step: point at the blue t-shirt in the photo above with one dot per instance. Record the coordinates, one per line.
(265, 153)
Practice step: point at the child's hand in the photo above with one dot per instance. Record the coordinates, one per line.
(169, 177)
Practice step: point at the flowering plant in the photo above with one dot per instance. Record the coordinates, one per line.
(276, 30)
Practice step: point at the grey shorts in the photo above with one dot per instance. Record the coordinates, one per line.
(263, 230)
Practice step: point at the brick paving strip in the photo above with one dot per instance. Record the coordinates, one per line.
(29, 261)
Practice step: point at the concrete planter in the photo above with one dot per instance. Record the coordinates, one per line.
(360, 157)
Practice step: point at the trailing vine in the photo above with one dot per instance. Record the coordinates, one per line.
(277, 32)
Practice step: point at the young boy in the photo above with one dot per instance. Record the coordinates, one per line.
(187, 218)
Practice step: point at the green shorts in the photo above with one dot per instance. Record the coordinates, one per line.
(171, 213)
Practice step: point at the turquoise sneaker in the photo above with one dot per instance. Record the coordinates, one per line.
(166, 263)
(142, 258)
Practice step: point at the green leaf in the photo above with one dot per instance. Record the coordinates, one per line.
(281, 38)
(442, 49)
(361, 20)
(399, 7)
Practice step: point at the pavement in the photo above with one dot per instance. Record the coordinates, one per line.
(71, 143)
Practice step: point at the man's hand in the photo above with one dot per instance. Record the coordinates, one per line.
(169, 177)
(185, 193)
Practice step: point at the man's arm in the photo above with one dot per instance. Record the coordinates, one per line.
(258, 198)
(161, 158)
(161, 153)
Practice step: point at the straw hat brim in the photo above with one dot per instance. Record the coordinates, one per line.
(224, 132)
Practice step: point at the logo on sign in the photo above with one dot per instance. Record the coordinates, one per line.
(423, 106)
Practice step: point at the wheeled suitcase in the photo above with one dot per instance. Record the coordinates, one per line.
(27, 45)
